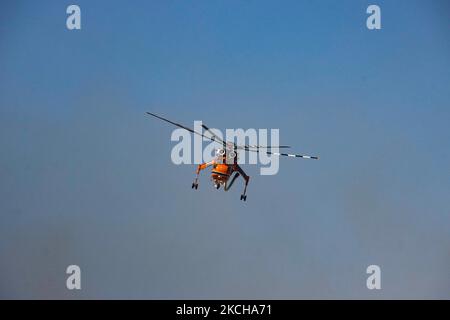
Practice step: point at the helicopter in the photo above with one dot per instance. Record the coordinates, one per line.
(225, 167)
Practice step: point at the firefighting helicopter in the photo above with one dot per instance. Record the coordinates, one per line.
(225, 163)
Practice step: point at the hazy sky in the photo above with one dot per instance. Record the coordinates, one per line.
(86, 177)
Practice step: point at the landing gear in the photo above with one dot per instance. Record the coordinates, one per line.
(195, 183)
(217, 186)
(200, 168)
(243, 197)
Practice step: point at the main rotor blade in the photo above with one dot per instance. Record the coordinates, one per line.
(286, 154)
(239, 147)
(246, 148)
(183, 127)
(262, 147)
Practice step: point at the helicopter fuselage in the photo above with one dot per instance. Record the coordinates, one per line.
(221, 172)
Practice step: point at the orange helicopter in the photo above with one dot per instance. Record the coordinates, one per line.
(225, 162)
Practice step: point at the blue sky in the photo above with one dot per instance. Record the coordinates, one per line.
(86, 177)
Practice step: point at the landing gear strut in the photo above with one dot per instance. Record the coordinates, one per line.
(246, 178)
(244, 196)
